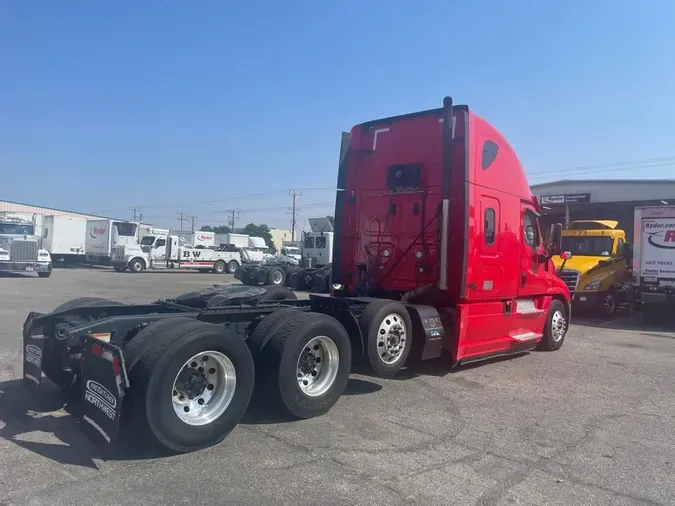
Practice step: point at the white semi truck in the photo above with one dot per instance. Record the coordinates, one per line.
(103, 236)
(64, 237)
(171, 251)
(653, 265)
(20, 249)
(318, 242)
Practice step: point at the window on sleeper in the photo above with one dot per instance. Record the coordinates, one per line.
(489, 232)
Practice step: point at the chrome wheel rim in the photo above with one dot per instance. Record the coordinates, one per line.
(558, 326)
(317, 366)
(609, 304)
(204, 388)
(276, 278)
(232, 267)
(391, 338)
(219, 267)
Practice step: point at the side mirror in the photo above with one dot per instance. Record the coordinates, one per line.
(627, 251)
(555, 239)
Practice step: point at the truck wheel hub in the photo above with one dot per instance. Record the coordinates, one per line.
(609, 303)
(317, 366)
(204, 388)
(191, 382)
(391, 338)
(558, 326)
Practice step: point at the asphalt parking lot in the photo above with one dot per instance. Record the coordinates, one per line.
(590, 424)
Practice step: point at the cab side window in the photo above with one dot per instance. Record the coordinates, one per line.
(530, 229)
(160, 242)
(619, 247)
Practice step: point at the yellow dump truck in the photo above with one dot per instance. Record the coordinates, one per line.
(597, 266)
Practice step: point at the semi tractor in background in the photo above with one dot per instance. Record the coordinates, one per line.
(20, 246)
(596, 274)
(652, 287)
(438, 252)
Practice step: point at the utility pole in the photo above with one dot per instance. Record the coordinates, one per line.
(182, 217)
(133, 210)
(193, 220)
(294, 212)
(234, 214)
(140, 218)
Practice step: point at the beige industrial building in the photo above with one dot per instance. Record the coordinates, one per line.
(7, 206)
(279, 235)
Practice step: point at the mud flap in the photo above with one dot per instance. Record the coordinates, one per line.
(104, 379)
(33, 346)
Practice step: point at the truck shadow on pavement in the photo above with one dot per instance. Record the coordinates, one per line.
(47, 423)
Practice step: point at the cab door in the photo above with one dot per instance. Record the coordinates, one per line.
(533, 279)
(159, 249)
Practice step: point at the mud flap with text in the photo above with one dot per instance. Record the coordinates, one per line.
(104, 379)
(33, 347)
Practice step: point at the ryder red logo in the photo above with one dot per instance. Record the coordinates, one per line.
(664, 235)
(204, 237)
(94, 232)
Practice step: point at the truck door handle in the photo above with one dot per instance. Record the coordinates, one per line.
(523, 279)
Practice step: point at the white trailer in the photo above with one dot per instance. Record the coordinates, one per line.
(172, 251)
(64, 238)
(103, 236)
(653, 263)
(199, 239)
(238, 240)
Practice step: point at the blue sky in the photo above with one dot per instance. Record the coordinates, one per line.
(163, 104)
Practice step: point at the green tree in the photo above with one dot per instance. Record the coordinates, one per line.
(263, 231)
(220, 229)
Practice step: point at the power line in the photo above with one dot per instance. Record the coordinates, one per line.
(243, 197)
(667, 160)
(619, 169)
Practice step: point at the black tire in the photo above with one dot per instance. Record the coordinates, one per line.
(387, 364)
(232, 266)
(275, 276)
(289, 275)
(278, 292)
(307, 279)
(219, 267)
(552, 339)
(54, 358)
(281, 355)
(264, 331)
(137, 265)
(149, 407)
(608, 304)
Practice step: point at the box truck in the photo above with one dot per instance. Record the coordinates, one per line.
(64, 237)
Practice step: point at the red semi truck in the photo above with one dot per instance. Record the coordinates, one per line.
(437, 251)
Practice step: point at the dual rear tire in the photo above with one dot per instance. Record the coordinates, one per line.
(191, 382)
